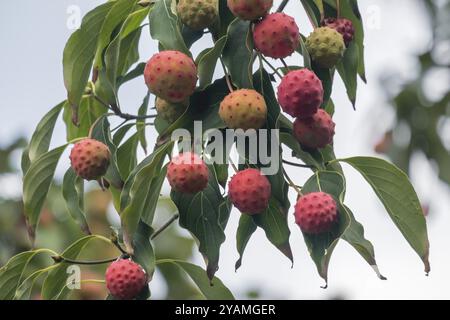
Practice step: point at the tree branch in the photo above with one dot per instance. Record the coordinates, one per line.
(126, 116)
(282, 5)
(165, 226)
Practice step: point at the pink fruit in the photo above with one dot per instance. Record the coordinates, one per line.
(343, 26)
(300, 93)
(90, 159)
(249, 191)
(125, 279)
(315, 132)
(316, 213)
(276, 35)
(171, 75)
(187, 173)
(249, 9)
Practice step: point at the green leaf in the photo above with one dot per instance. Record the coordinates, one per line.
(13, 272)
(73, 193)
(311, 158)
(348, 70)
(207, 60)
(55, 285)
(312, 11)
(80, 51)
(102, 132)
(140, 124)
(244, 232)
(238, 53)
(119, 11)
(213, 289)
(120, 134)
(23, 291)
(143, 250)
(36, 185)
(138, 195)
(88, 112)
(321, 246)
(40, 141)
(127, 157)
(164, 27)
(398, 196)
(354, 235)
(136, 72)
(205, 215)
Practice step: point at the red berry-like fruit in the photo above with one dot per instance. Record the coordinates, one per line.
(249, 191)
(316, 213)
(315, 132)
(90, 159)
(300, 93)
(249, 9)
(187, 173)
(276, 35)
(125, 279)
(171, 75)
(343, 26)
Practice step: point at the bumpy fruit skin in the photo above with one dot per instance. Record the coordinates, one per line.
(125, 279)
(170, 111)
(187, 173)
(250, 191)
(171, 75)
(300, 93)
(343, 26)
(326, 46)
(244, 109)
(90, 159)
(249, 9)
(316, 213)
(315, 132)
(276, 36)
(197, 14)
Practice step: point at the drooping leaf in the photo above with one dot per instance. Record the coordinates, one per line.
(40, 141)
(211, 289)
(143, 249)
(238, 53)
(36, 185)
(348, 70)
(398, 196)
(321, 246)
(205, 215)
(164, 27)
(138, 199)
(244, 232)
(127, 157)
(207, 60)
(73, 193)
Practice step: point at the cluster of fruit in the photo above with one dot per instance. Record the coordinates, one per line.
(172, 77)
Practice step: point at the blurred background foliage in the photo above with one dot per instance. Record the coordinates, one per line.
(422, 107)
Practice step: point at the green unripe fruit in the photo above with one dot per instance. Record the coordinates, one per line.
(170, 111)
(326, 47)
(197, 14)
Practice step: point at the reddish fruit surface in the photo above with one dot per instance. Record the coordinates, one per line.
(276, 35)
(249, 191)
(343, 26)
(315, 132)
(90, 159)
(125, 279)
(316, 213)
(243, 109)
(187, 173)
(249, 9)
(300, 93)
(171, 75)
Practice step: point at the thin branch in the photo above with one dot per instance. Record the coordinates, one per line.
(233, 165)
(338, 8)
(282, 5)
(298, 164)
(285, 64)
(292, 184)
(227, 75)
(165, 226)
(119, 113)
(60, 259)
(275, 70)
